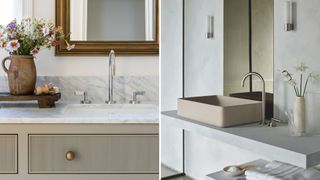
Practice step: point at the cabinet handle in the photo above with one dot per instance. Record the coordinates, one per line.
(70, 155)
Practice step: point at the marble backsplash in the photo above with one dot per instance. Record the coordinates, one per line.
(97, 87)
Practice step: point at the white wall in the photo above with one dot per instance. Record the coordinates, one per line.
(203, 57)
(171, 79)
(291, 48)
(171, 53)
(50, 65)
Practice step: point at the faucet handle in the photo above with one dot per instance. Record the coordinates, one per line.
(141, 93)
(274, 122)
(78, 93)
(134, 97)
(85, 96)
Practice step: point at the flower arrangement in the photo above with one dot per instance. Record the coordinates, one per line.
(30, 35)
(301, 87)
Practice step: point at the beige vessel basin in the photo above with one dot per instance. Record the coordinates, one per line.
(221, 111)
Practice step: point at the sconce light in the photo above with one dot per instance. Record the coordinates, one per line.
(289, 26)
(210, 28)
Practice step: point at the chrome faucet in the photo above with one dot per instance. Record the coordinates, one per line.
(263, 93)
(112, 73)
(135, 98)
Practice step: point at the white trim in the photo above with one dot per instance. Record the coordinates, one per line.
(18, 9)
(85, 19)
(150, 19)
(27, 8)
(79, 19)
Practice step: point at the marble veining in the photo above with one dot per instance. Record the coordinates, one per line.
(77, 113)
(97, 87)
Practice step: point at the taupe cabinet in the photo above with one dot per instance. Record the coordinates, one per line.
(79, 151)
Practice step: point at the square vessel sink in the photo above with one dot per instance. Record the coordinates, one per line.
(220, 111)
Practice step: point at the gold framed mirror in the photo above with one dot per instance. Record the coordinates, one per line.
(95, 32)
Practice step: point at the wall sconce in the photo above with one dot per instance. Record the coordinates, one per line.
(210, 28)
(289, 26)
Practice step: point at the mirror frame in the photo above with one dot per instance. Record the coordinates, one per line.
(100, 48)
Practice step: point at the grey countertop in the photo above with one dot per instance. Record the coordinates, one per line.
(77, 113)
(274, 143)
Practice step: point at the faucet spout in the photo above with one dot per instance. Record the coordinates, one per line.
(112, 70)
(263, 93)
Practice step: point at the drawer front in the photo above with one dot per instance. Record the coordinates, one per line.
(91, 154)
(8, 154)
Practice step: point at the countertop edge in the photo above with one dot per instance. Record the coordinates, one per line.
(270, 150)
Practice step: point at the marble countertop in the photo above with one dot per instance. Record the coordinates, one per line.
(77, 113)
(273, 143)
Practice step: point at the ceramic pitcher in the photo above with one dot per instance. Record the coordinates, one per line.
(22, 74)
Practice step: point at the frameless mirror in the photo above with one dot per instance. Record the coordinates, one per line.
(113, 20)
(248, 45)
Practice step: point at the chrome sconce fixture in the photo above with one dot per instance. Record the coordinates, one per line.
(289, 26)
(210, 27)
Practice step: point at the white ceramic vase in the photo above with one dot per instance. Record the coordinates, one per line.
(299, 116)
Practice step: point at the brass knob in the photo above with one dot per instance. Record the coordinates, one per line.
(70, 155)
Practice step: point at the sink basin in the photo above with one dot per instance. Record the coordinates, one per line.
(220, 111)
(109, 109)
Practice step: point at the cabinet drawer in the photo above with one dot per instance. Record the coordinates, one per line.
(94, 154)
(8, 154)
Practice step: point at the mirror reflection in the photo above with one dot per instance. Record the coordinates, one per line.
(113, 20)
(249, 48)
(248, 44)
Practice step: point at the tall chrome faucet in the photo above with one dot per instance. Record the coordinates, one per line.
(112, 73)
(263, 92)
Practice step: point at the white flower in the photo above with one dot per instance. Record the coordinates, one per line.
(292, 82)
(46, 31)
(26, 18)
(69, 47)
(314, 77)
(301, 67)
(13, 45)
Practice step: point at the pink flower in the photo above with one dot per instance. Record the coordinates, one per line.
(13, 45)
(55, 43)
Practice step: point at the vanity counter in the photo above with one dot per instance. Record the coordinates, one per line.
(274, 143)
(74, 141)
(79, 114)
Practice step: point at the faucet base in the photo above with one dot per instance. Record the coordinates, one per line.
(86, 102)
(134, 102)
(110, 102)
